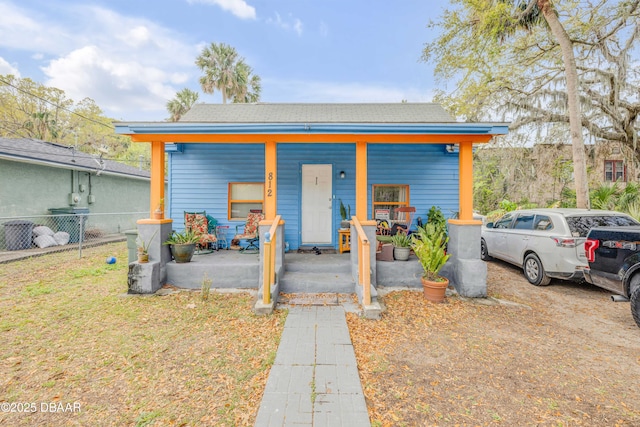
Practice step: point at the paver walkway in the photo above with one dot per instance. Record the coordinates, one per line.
(314, 380)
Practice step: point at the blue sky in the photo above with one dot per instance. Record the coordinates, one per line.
(132, 56)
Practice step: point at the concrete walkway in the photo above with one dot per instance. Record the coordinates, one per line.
(314, 380)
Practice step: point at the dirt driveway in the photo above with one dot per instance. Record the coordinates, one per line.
(577, 308)
(561, 355)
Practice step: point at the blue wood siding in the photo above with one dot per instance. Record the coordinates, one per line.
(199, 177)
(431, 173)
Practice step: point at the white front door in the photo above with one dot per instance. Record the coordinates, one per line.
(317, 209)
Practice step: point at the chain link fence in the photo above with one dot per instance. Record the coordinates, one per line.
(70, 229)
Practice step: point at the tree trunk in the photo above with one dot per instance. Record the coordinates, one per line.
(573, 101)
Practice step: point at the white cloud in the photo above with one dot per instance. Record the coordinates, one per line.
(117, 86)
(130, 66)
(239, 8)
(23, 29)
(6, 68)
(294, 24)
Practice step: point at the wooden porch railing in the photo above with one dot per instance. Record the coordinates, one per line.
(364, 262)
(269, 267)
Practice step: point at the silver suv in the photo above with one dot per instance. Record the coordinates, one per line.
(546, 243)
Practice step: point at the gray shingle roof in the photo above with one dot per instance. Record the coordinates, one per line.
(318, 113)
(36, 151)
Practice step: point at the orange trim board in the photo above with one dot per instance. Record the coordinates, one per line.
(270, 222)
(465, 222)
(154, 221)
(314, 138)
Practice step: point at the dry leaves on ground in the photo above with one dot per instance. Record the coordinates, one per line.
(71, 335)
(463, 363)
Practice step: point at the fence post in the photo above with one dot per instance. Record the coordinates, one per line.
(81, 217)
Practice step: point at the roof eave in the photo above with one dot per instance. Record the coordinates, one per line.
(69, 166)
(181, 128)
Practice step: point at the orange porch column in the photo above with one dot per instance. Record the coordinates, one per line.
(361, 180)
(466, 181)
(270, 180)
(157, 176)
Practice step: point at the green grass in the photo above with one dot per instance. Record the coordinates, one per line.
(71, 333)
(38, 288)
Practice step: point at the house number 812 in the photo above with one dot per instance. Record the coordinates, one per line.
(269, 183)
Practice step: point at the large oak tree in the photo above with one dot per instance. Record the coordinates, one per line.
(541, 63)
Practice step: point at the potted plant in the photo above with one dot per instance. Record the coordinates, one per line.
(429, 244)
(182, 245)
(345, 213)
(159, 212)
(143, 248)
(401, 246)
(436, 217)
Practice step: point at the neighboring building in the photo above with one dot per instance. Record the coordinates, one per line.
(613, 161)
(540, 173)
(36, 176)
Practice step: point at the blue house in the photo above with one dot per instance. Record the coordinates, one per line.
(298, 162)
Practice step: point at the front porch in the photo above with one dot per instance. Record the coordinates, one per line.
(298, 161)
(302, 273)
(275, 270)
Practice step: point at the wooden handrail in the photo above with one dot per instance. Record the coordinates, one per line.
(364, 262)
(269, 266)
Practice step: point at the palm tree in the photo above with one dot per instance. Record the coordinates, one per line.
(182, 103)
(629, 197)
(605, 196)
(249, 90)
(227, 72)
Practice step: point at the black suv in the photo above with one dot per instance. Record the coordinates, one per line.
(613, 254)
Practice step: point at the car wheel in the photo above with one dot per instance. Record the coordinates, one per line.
(484, 253)
(635, 305)
(534, 271)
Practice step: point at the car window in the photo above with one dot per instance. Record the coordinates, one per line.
(504, 222)
(524, 222)
(543, 222)
(580, 225)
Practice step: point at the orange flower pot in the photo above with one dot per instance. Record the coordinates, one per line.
(435, 291)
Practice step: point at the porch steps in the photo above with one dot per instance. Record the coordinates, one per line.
(313, 249)
(311, 273)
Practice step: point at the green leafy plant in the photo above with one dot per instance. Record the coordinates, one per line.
(184, 237)
(605, 196)
(429, 244)
(435, 216)
(508, 205)
(206, 286)
(629, 196)
(143, 247)
(401, 240)
(345, 211)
